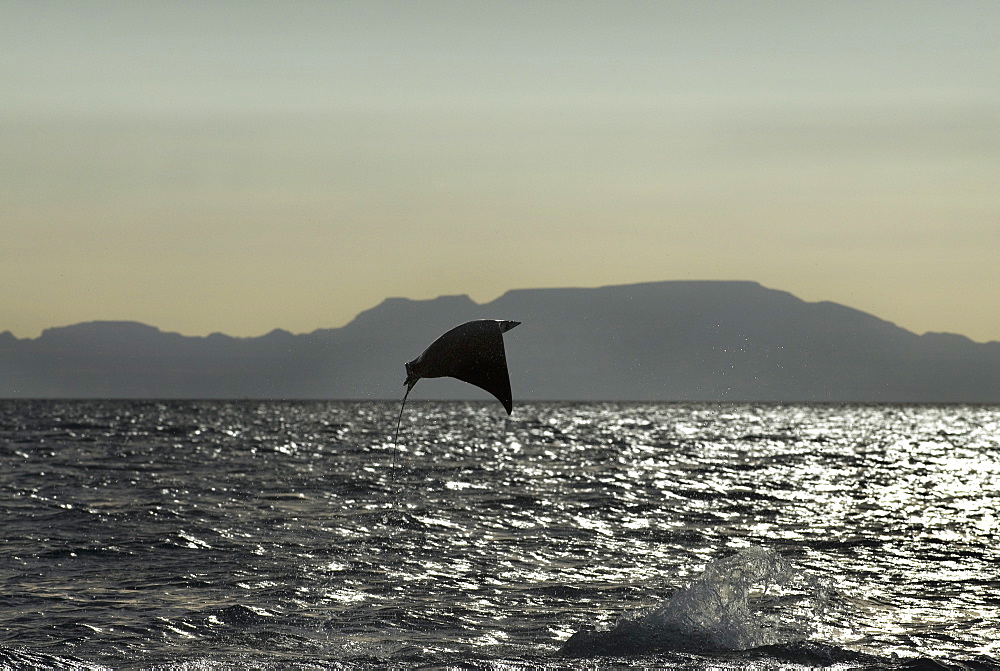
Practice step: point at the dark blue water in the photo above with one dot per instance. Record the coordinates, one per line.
(699, 536)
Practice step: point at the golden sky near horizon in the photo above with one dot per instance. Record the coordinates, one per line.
(242, 166)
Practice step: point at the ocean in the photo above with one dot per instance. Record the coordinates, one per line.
(289, 535)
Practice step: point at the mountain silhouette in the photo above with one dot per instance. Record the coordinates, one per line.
(656, 341)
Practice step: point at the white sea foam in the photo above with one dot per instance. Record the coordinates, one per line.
(747, 600)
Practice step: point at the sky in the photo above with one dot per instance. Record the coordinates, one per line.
(244, 166)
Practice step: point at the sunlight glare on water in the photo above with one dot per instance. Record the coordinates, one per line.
(685, 535)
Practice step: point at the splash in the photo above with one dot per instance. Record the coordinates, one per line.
(751, 599)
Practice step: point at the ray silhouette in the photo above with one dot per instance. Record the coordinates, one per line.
(472, 352)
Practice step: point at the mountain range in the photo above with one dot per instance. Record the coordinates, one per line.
(670, 341)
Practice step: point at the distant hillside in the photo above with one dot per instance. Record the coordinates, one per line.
(656, 341)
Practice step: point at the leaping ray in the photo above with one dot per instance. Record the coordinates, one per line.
(472, 352)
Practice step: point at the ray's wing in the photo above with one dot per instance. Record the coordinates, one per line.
(485, 366)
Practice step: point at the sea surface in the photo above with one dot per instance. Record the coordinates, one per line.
(274, 535)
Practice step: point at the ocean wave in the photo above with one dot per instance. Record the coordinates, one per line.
(751, 599)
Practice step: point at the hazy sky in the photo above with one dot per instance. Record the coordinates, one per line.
(241, 166)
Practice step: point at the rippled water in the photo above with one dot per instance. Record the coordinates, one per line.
(274, 535)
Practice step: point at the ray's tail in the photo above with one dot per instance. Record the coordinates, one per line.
(395, 441)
